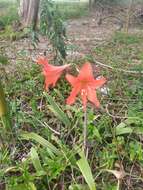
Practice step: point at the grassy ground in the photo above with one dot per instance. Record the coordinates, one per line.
(114, 142)
(114, 131)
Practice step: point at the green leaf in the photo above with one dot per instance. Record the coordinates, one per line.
(86, 171)
(122, 129)
(40, 140)
(31, 186)
(97, 134)
(138, 130)
(78, 187)
(35, 160)
(57, 111)
(23, 186)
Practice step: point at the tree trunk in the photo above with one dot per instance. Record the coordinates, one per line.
(90, 5)
(94, 3)
(28, 12)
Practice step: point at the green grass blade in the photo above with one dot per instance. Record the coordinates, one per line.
(35, 160)
(78, 187)
(86, 171)
(23, 186)
(57, 111)
(40, 140)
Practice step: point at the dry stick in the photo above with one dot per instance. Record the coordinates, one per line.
(122, 70)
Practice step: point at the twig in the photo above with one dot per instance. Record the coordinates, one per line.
(117, 69)
(114, 116)
(44, 124)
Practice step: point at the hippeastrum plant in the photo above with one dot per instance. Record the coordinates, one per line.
(86, 85)
(50, 72)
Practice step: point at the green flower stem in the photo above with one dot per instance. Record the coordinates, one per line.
(118, 185)
(85, 131)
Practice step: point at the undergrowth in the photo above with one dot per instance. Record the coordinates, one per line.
(114, 131)
(8, 13)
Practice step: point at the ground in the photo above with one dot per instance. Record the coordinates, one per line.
(83, 34)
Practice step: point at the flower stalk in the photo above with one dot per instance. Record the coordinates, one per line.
(85, 131)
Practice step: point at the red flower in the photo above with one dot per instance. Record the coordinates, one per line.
(85, 84)
(51, 73)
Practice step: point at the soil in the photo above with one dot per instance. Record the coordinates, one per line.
(83, 34)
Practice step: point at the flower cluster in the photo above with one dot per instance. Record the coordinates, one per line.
(84, 84)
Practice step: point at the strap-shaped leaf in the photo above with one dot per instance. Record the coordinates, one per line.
(57, 110)
(40, 140)
(35, 160)
(86, 171)
(23, 186)
(122, 129)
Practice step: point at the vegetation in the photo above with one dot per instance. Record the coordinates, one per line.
(72, 10)
(45, 150)
(8, 13)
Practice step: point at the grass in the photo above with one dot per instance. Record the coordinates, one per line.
(44, 152)
(124, 51)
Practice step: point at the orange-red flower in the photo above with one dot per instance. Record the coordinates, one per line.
(51, 73)
(85, 84)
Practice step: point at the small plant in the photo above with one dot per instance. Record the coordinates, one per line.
(53, 27)
(85, 84)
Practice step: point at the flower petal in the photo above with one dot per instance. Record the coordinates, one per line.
(52, 74)
(97, 83)
(73, 94)
(59, 68)
(71, 79)
(86, 71)
(92, 97)
(51, 80)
